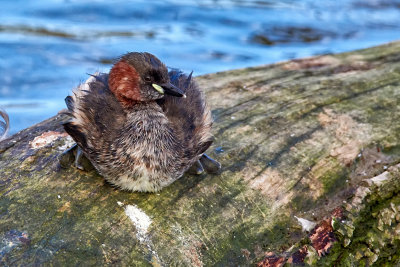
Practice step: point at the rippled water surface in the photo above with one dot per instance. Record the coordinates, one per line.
(48, 46)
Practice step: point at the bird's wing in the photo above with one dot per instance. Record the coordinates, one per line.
(190, 117)
(96, 114)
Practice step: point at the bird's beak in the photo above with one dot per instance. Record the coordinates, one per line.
(169, 89)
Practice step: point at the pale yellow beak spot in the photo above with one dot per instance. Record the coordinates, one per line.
(158, 88)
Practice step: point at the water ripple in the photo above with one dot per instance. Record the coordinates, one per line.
(47, 47)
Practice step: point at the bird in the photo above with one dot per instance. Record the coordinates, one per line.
(141, 126)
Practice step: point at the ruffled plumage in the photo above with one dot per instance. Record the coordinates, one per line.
(146, 146)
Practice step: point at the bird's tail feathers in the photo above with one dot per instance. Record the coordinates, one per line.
(188, 80)
(69, 101)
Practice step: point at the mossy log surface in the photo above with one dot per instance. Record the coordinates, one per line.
(307, 141)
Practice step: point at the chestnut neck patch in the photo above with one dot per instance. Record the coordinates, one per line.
(124, 83)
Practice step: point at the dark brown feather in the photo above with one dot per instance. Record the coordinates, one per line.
(187, 114)
(102, 114)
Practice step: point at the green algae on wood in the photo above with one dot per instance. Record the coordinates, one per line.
(297, 138)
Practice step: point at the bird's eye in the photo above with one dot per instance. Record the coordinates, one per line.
(147, 79)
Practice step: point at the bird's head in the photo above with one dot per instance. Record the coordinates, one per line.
(140, 77)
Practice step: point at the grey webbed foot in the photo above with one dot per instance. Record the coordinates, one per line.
(78, 159)
(210, 165)
(205, 164)
(75, 156)
(196, 168)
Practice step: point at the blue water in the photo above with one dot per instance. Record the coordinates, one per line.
(48, 46)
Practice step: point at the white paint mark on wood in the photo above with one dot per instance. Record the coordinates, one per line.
(306, 225)
(139, 219)
(379, 179)
(142, 223)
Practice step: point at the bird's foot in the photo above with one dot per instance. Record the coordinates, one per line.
(196, 168)
(75, 156)
(205, 163)
(210, 165)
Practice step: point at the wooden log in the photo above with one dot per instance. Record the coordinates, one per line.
(310, 151)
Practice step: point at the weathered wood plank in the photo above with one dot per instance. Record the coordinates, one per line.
(295, 139)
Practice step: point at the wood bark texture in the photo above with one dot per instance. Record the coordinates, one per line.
(310, 153)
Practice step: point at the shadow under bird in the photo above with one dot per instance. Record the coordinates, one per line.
(141, 126)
